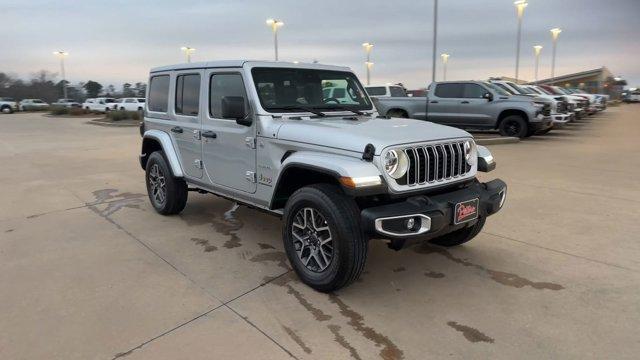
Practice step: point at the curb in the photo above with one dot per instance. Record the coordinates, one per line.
(109, 124)
(497, 140)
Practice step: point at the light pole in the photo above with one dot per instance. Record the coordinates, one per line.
(275, 24)
(445, 60)
(62, 54)
(555, 32)
(188, 51)
(367, 49)
(435, 40)
(520, 5)
(536, 50)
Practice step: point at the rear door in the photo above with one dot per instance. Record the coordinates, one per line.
(186, 111)
(229, 152)
(474, 106)
(445, 102)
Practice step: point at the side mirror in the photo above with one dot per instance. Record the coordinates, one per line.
(233, 108)
(488, 96)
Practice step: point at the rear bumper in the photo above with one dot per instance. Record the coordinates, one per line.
(433, 215)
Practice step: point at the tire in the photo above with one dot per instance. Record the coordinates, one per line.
(170, 199)
(336, 218)
(395, 113)
(121, 108)
(460, 236)
(6, 109)
(513, 125)
(87, 108)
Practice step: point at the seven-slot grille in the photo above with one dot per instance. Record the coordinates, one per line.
(435, 163)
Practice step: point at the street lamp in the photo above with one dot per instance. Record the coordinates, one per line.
(445, 59)
(275, 24)
(536, 50)
(555, 32)
(367, 49)
(62, 54)
(520, 5)
(188, 51)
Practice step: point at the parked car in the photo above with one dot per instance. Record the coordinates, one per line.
(559, 113)
(572, 104)
(131, 104)
(583, 103)
(32, 104)
(632, 96)
(8, 105)
(66, 103)
(101, 104)
(337, 174)
(386, 91)
(473, 105)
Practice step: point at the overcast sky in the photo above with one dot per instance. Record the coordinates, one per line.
(117, 41)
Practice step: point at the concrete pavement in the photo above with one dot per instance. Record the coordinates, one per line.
(89, 271)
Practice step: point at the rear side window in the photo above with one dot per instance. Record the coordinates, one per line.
(473, 91)
(449, 90)
(223, 85)
(397, 91)
(188, 94)
(159, 93)
(376, 90)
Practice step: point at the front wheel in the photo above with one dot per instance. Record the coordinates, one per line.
(514, 126)
(460, 236)
(167, 194)
(322, 237)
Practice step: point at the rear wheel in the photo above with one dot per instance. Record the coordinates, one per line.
(396, 113)
(461, 236)
(6, 109)
(322, 237)
(513, 125)
(167, 194)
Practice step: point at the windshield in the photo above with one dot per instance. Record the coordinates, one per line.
(521, 89)
(497, 89)
(286, 90)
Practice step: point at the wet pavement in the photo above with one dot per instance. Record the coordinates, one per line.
(89, 270)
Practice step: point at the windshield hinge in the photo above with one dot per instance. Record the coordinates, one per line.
(250, 176)
(250, 141)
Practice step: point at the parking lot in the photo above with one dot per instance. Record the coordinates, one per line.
(90, 271)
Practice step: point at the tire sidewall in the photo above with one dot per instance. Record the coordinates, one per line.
(510, 119)
(158, 158)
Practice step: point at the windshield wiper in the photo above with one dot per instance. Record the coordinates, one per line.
(344, 108)
(303, 108)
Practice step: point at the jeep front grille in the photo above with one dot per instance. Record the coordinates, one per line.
(435, 163)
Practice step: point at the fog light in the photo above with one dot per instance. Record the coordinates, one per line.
(410, 223)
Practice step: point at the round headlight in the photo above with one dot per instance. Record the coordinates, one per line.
(396, 164)
(470, 151)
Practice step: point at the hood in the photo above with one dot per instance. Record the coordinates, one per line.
(354, 135)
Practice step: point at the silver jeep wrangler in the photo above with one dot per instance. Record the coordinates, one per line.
(268, 135)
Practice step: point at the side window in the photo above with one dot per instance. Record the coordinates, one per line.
(188, 94)
(221, 86)
(159, 93)
(449, 90)
(376, 90)
(473, 91)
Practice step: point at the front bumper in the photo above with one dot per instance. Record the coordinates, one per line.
(560, 120)
(433, 215)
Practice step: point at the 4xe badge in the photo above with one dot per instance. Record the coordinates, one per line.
(465, 211)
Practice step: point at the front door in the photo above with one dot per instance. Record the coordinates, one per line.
(228, 148)
(444, 104)
(475, 107)
(186, 128)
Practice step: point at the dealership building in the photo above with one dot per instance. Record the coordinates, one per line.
(597, 81)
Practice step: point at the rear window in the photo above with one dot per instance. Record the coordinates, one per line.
(449, 90)
(376, 90)
(159, 93)
(397, 91)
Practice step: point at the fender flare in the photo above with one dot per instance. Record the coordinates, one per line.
(339, 165)
(167, 147)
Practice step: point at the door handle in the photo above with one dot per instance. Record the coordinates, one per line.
(434, 102)
(464, 102)
(209, 134)
(176, 129)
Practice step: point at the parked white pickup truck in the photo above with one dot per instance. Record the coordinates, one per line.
(8, 105)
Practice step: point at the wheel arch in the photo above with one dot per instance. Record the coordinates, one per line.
(510, 112)
(398, 109)
(154, 140)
